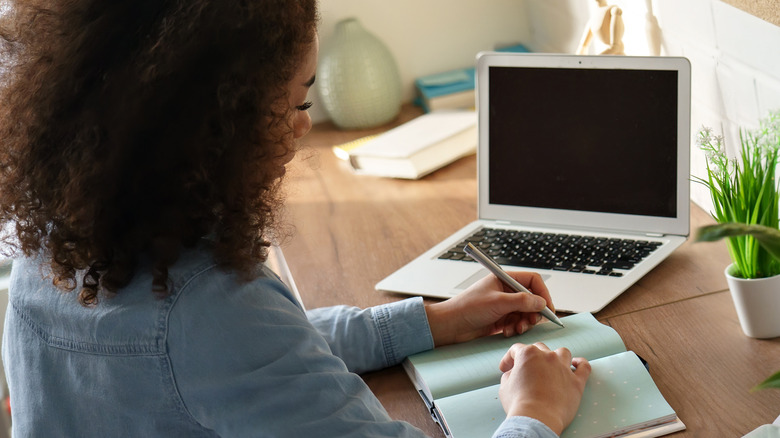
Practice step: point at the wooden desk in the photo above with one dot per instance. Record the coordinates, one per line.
(352, 231)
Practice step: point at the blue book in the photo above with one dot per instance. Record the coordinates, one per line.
(452, 89)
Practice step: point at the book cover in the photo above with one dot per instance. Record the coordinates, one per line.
(452, 89)
(448, 90)
(419, 146)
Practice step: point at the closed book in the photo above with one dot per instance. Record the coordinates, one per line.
(448, 90)
(419, 146)
(452, 89)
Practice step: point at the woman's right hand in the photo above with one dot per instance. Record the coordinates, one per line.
(540, 383)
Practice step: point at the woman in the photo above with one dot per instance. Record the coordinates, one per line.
(143, 145)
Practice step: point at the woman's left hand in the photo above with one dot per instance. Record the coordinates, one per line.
(488, 307)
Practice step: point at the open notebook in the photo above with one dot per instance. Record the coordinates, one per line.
(459, 383)
(583, 174)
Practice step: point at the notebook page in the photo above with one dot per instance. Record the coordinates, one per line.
(457, 368)
(620, 396)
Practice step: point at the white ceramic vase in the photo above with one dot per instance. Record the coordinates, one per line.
(758, 304)
(358, 78)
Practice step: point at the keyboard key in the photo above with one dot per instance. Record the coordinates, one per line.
(560, 252)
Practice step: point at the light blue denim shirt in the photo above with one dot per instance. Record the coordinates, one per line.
(217, 358)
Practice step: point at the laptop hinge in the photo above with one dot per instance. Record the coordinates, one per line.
(510, 223)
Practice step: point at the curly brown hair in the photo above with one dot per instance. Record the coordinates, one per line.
(137, 127)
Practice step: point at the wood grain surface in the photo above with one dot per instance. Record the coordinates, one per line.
(351, 231)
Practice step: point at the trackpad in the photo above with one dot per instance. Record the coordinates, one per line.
(472, 279)
(479, 275)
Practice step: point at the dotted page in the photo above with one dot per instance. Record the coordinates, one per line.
(620, 396)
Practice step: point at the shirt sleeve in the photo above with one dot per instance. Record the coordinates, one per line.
(374, 338)
(246, 361)
(524, 427)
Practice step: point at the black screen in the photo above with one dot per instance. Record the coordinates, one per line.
(584, 139)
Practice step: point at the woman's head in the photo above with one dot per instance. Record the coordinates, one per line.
(137, 127)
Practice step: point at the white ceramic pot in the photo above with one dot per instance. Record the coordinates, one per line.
(358, 78)
(758, 304)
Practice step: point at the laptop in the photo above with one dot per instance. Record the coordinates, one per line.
(582, 152)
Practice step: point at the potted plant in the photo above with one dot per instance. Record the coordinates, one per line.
(769, 239)
(745, 197)
(745, 200)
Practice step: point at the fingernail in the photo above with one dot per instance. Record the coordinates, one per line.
(523, 327)
(538, 318)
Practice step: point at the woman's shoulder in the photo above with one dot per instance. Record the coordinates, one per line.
(222, 324)
(201, 286)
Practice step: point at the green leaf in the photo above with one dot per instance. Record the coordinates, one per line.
(772, 382)
(769, 238)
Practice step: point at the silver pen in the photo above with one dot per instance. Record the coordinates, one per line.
(491, 265)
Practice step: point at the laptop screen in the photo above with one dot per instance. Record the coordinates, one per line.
(593, 142)
(597, 140)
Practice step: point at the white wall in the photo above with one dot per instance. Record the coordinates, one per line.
(428, 36)
(735, 58)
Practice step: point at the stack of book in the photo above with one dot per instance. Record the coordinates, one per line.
(451, 89)
(415, 148)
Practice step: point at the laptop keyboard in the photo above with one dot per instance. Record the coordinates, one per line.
(559, 252)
